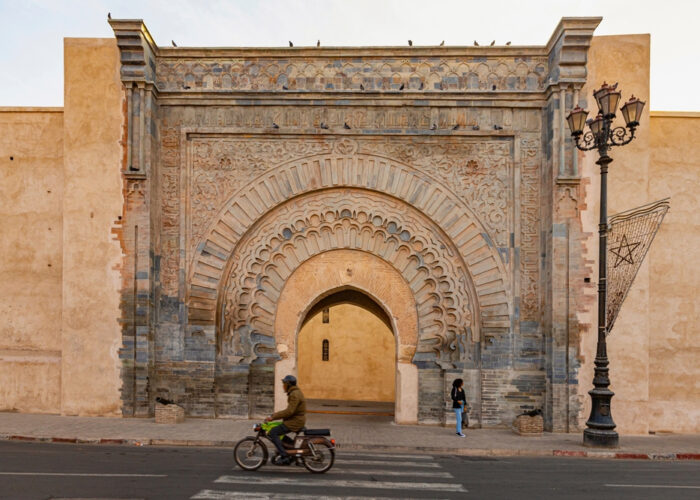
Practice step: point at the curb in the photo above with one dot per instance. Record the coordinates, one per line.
(423, 450)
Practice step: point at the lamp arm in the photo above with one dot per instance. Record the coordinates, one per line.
(620, 137)
(585, 142)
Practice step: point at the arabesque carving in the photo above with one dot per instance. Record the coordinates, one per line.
(467, 73)
(529, 229)
(479, 171)
(427, 196)
(347, 219)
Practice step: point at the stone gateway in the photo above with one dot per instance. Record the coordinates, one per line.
(261, 181)
(377, 221)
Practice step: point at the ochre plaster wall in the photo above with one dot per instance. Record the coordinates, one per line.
(674, 310)
(92, 202)
(31, 190)
(362, 356)
(623, 59)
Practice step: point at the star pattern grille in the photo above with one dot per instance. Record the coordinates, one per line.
(630, 235)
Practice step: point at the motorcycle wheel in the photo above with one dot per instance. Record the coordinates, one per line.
(325, 456)
(250, 454)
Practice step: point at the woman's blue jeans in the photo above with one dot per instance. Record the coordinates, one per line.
(458, 413)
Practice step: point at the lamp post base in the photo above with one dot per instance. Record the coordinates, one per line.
(601, 438)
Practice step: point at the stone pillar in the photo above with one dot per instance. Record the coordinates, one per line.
(139, 227)
(568, 49)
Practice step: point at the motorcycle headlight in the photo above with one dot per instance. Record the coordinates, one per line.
(256, 427)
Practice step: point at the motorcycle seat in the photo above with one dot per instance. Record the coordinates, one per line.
(316, 432)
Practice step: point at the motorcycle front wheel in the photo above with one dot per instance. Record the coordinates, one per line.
(323, 459)
(250, 454)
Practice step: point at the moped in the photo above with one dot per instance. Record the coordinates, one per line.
(309, 448)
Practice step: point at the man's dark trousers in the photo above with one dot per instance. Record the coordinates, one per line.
(275, 434)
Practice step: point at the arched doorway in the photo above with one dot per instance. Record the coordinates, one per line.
(346, 356)
(329, 273)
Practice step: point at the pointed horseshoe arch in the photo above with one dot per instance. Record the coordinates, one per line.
(241, 216)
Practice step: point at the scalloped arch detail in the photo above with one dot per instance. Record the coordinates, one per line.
(347, 169)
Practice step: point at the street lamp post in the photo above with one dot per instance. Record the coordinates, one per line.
(600, 427)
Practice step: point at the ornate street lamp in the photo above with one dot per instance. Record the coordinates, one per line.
(602, 136)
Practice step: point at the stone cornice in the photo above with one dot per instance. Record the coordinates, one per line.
(137, 50)
(368, 71)
(423, 51)
(568, 50)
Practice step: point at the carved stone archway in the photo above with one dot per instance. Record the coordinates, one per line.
(427, 196)
(335, 270)
(354, 201)
(352, 219)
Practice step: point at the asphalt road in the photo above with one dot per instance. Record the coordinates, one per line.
(67, 471)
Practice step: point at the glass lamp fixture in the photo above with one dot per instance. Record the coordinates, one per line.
(596, 125)
(577, 120)
(632, 111)
(608, 98)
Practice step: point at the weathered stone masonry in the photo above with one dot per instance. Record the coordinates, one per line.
(448, 163)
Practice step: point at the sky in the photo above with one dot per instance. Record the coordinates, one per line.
(31, 32)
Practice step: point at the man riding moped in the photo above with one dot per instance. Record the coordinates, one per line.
(293, 417)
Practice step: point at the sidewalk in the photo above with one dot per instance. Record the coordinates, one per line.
(362, 433)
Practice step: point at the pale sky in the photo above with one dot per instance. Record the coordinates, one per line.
(31, 32)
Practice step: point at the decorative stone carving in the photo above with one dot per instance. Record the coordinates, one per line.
(463, 73)
(426, 195)
(480, 171)
(349, 219)
(529, 229)
(220, 167)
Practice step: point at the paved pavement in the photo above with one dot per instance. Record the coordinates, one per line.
(33, 471)
(352, 433)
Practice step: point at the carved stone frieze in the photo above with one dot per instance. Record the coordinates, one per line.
(220, 167)
(466, 73)
(529, 229)
(347, 219)
(479, 171)
(170, 209)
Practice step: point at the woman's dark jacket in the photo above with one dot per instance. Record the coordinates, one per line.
(457, 396)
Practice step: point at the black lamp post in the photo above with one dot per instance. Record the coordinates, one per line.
(602, 136)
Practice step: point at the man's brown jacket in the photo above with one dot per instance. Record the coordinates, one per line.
(294, 416)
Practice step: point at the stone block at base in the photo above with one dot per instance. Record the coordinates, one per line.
(169, 414)
(526, 425)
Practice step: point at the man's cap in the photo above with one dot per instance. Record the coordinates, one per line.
(290, 379)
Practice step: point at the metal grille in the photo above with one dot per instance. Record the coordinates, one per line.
(325, 350)
(630, 234)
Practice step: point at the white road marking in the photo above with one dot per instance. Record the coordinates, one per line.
(382, 455)
(83, 474)
(431, 465)
(228, 495)
(339, 483)
(671, 486)
(375, 472)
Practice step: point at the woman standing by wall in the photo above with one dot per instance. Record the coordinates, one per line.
(459, 403)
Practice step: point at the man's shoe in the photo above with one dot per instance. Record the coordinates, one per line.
(282, 460)
(461, 435)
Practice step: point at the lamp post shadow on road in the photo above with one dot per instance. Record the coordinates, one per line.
(600, 427)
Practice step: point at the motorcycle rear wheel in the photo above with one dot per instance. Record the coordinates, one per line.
(325, 456)
(250, 454)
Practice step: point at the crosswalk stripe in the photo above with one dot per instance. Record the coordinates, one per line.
(375, 472)
(430, 465)
(383, 455)
(339, 483)
(228, 495)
